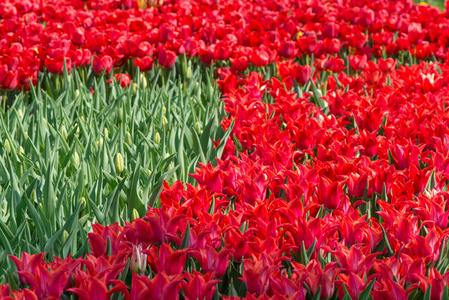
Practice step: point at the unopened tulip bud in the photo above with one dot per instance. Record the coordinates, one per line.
(7, 146)
(128, 139)
(21, 151)
(165, 123)
(64, 132)
(65, 235)
(119, 163)
(75, 159)
(138, 260)
(135, 214)
(77, 93)
(106, 133)
(20, 114)
(198, 128)
(164, 110)
(83, 203)
(189, 72)
(157, 138)
(143, 81)
(100, 143)
(120, 114)
(25, 134)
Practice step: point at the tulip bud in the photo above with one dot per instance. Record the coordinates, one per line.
(150, 172)
(7, 146)
(128, 139)
(77, 93)
(21, 151)
(83, 203)
(135, 214)
(75, 159)
(120, 114)
(20, 114)
(100, 143)
(119, 163)
(64, 132)
(106, 133)
(143, 81)
(157, 138)
(198, 128)
(165, 123)
(189, 72)
(65, 235)
(138, 260)
(25, 134)
(164, 110)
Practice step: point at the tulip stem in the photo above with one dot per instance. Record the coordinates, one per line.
(4, 100)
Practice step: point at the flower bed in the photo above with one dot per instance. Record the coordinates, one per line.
(330, 175)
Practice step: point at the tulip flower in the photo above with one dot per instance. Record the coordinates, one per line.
(166, 58)
(199, 286)
(104, 63)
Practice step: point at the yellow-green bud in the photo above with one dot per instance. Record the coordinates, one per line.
(189, 72)
(20, 114)
(128, 139)
(106, 133)
(120, 114)
(119, 163)
(64, 132)
(7, 146)
(75, 159)
(83, 203)
(77, 93)
(157, 138)
(135, 214)
(143, 81)
(65, 236)
(165, 123)
(164, 110)
(25, 134)
(198, 128)
(21, 151)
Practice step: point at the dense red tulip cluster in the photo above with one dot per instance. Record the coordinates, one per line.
(38, 35)
(334, 181)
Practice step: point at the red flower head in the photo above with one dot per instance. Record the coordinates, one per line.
(166, 58)
(103, 64)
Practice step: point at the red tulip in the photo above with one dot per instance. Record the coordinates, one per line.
(240, 63)
(288, 49)
(167, 260)
(166, 58)
(387, 65)
(301, 73)
(329, 194)
(199, 286)
(124, 79)
(161, 286)
(145, 63)
(56, 65)
(210, 260)
(259, 58)
(102, 64)
(357, 62)
(91, 288)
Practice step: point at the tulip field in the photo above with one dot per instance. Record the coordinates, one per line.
(224, 149)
